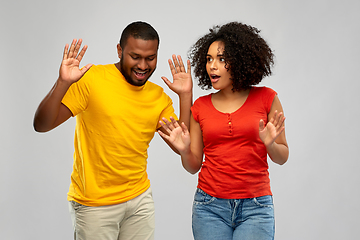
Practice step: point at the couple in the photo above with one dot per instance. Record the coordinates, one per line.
(118, 112)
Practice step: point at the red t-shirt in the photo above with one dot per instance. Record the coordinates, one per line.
(235, 164)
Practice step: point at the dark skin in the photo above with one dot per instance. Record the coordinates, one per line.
(51, 112)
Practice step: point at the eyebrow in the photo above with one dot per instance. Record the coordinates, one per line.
(139, 55)
(218, 55)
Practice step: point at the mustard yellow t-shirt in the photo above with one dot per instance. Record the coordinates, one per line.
(115, 122)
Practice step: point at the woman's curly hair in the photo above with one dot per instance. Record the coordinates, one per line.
(247, 55)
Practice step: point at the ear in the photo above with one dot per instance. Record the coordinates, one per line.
(119, 50)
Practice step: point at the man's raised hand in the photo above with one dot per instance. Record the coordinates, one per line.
(69, 70)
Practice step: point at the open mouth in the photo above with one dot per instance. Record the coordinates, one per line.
(214, 78)
(140, 74)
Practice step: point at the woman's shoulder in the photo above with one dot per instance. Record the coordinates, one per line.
(203, 99)
(262, 89)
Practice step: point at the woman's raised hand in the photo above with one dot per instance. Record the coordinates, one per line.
(182, 81)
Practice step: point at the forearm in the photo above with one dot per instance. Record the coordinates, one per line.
(185, 100)
(48, 110)
(278, 153)
(190, 162)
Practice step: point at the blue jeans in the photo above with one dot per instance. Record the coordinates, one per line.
(232, 219)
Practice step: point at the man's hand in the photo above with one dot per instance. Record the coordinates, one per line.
(69, 70)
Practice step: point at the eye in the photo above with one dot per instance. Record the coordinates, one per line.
(222, 59)
(134, 57)
(208, 59)
(150, 58)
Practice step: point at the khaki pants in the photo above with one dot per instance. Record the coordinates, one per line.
(131, 220)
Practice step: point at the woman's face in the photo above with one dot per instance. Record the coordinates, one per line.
(215, 66)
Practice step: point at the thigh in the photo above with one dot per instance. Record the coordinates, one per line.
(139, 222)
(94, 223)
(257, 220)
(210, 218)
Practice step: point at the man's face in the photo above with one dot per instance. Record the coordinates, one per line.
(138, 60)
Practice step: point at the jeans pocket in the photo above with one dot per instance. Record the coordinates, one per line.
(202, 197)
(264, 201)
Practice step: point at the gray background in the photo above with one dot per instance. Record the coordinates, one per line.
(316, 43)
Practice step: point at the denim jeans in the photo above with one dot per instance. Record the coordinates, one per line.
(232, 219)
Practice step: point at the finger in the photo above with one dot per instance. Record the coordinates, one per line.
(280, 120)
(165, 127)
(85, 68)
(169, 125)
(163, 135)
(184, 128)
(177, 67)
(188, 66)
(172, 68)
(181, 64)
(167, 82)
(273, 118)
(276, 118)
(261, 125)
(72, 47)
(66, 49)
(279, 131)
(281, 123)
(77, 47)
(82, 52)
(174, 122)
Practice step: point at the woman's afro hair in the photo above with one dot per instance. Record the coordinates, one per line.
(247, 55)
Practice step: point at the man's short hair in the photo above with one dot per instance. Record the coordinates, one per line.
(138, 30)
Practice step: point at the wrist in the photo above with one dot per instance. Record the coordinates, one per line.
(185, 152)
(185, 95)
(63, 83)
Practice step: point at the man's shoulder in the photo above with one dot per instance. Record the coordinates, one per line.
(101, 67)
(150, 86)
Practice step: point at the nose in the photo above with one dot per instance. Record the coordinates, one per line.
(142, 64)
(213, 64)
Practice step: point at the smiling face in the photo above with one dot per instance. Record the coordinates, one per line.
(137, 60)
(215, 66)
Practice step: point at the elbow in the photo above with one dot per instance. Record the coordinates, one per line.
(192, 170)
(38, 127)
(283, 160)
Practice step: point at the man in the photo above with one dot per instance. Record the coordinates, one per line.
(117, 114)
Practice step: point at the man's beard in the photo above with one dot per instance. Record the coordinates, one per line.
(128, 78)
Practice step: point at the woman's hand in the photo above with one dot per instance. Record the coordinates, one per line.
(182, 81)
(179, 135)
(272, 130)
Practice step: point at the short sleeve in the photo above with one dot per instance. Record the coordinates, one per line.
(168, 110)
(76, 98)
(195, 110)
(268, 97)
(200, 105)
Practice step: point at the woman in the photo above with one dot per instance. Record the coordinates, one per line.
(236, 128)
